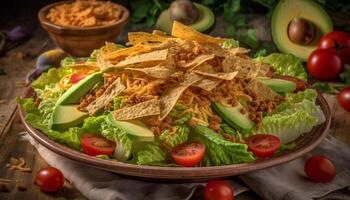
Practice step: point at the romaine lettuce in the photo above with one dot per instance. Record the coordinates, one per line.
(285, 64)
(170, 139)
(151, 154)
(54, 75)
(218, 150)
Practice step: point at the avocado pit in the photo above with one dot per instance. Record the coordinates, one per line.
(183, 11)
(301, 31)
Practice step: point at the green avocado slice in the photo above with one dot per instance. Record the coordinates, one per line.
(74, 93)
(66, 116)
(278, 85)
(308, 10)
(234, 117)
(204, 22)
(135, 128)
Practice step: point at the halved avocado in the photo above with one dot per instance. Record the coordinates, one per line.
(74, 93)
(306, 10)
(278, 85)
(135, 128)
(204, 22)
(234, 117)
(66, 116)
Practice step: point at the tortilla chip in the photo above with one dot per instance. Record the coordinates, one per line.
(262, 91)
(147, 108)
(170, 97)
(246, 68)
(207, 84)
(85, 67)
(113, 90)
(125, 52)
(161, 71)
(188, 33)
(196, 61)
(144, 38)
(159, 55)
(208, 70)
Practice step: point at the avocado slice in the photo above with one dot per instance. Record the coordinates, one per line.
(204, 22)
(278, 85)
(234, 117)
(74, 93)
(135, 128)
(66, 116)
(307, 10)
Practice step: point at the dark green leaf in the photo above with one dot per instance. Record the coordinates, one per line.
(250, 39)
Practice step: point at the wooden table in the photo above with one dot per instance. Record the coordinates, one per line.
(17, 64)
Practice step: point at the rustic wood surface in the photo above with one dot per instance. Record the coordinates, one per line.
(21, 60)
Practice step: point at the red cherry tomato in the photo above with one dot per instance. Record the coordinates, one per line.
(344, 54)
(218, 190)
(94, 145)
(263, 145)
(334, 39)
(344, 98)
(320, 169)
(300, 84)
(75, 78)
(188, 154)
(324, 64)
(49, 179)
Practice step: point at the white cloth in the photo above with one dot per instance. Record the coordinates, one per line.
(286, 181)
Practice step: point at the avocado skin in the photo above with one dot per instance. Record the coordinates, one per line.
(203, 24)
(285, 11)
(237, 120)
(278, 85)
(74, 93)
(134, 128)
(63, 117)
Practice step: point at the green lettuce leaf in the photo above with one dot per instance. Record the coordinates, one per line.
(152, 154)
(294, 117)
(120, 137)
(93, 124)
(230, 43)
(170, 139)
(218, 150)
(54, 75)
(285, 64)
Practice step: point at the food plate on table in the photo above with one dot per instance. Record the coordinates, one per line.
(185, 106)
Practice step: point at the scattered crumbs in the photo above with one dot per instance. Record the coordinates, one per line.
(19, 186)
(7, 184)
(18, 164)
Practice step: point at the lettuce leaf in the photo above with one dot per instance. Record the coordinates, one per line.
(230, 43)
(285, 64)
(54, 75)
(170, 139)
(294, 117)
(218, 150)
(93, 124)
(152, 154)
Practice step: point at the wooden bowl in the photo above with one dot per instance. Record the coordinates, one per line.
(304, 144)
(79, 41)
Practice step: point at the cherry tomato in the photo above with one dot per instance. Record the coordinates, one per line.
(263, 145)
(188, 154)
(94, 145)
(49, 179)
(218, 190)
(334, 39)
(300, 84)
(320, 169)
(344, 98)
(344, 54)
(324, 64)
(75, 78)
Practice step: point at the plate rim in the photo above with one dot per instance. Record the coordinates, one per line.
(177, 173)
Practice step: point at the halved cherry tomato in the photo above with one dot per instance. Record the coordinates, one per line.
(263, 145)
(320, 169)
(188, 154)
(334, 39)
(344, 54)
(324, 64)
(94, 145)
(75, 78)
(344, 98)
(218, 190)
(49, 179)
(300, 84)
